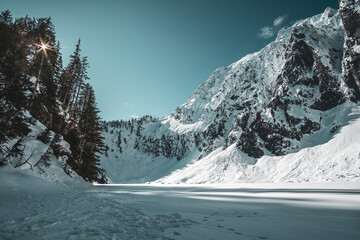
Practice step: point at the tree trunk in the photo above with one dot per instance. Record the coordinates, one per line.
(82, 150)
(38, 78)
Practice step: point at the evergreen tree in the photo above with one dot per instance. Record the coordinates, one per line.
(79, 85)
(13, 62)
(58, 122)
(55, 88)
(91, 141)
(14, 82)
(43, 63)
(72, 81)
(70, 78)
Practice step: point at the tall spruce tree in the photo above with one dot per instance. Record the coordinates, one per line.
(13, 61)
(14, 80)
(91, 141)
(70, 78)
(79, 86)
(43, 66)
(72, 81)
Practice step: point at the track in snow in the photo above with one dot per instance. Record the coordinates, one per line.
(250, 211)
(32, 208)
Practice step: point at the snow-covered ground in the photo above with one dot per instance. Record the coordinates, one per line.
(33, 208)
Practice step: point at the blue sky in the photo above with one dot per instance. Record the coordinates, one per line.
(148, 56)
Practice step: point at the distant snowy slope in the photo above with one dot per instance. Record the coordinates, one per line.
(294, 93)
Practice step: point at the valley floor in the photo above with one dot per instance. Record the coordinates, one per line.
(31, 208)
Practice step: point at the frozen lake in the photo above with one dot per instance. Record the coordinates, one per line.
(31, 208)
(248, 211)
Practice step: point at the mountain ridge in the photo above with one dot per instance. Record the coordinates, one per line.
(265, 104)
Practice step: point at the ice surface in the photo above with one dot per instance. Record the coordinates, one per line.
(32, 208)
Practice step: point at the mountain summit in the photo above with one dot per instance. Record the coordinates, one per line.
(297, 94)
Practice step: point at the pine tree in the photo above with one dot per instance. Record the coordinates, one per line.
(91, 141)
(41, 33)
(80, 84)
(72, 81)
(14, 81)
(57, 120)
(45, 65)
(70, 78)
(13, 62)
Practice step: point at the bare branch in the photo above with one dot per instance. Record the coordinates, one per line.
(27, 160)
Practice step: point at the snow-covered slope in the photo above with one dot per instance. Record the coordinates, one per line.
(41, 154)
(335, 160)
(292, 95)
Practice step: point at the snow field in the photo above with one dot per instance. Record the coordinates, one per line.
(33, 208)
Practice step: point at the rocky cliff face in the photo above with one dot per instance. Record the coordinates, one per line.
(263, 104)
(350, 15)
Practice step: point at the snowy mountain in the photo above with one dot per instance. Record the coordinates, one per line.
(274, 115)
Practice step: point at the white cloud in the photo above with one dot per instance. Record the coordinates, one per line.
(269, 31)
(266, 32)
(134, 116)
(279, 20)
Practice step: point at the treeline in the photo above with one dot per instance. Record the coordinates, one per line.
(130, 135)
(33, 78)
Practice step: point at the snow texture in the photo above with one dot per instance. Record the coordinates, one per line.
(335, 160)
(34, 208)
(37, 156)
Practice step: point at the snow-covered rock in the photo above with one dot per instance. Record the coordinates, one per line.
(334, 160)
(350, 14)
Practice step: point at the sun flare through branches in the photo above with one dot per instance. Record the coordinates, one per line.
(43, 47)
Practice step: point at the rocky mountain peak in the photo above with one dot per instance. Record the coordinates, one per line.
(265, 103)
